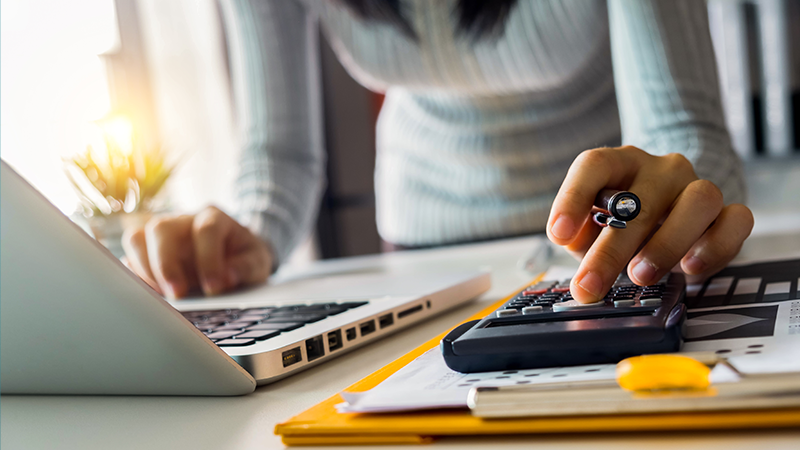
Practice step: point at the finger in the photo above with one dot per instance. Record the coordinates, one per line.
(694, 210)
(592, 171)
(584, 239)
(166, 238)
(613, 248)
(720, 243)
(251, 266)
(209, 233)
(133, 242)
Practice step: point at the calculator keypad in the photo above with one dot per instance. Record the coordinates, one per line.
(555, 297)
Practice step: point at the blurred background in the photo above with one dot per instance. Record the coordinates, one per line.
(145, 83)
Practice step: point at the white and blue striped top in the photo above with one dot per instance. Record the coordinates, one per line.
(473, 139)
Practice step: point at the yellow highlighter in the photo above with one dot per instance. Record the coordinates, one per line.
(657, 372)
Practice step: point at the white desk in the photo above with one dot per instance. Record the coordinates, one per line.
(33, 422)
(39, 422)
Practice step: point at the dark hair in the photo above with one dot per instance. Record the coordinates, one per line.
(476, 18)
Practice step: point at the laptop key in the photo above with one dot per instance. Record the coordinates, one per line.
(351, 305)
(321, 306)
(233, 326)
(280, 326)
(288, 308)
(257, 311)
(218, 319)
(251, 318)
(294, 317)
(235, 342)
(223, 334)
(259, 335)
(197, 313)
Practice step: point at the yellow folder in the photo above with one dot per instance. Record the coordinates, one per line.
(322, 424)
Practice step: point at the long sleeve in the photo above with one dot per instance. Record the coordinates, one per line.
(667, 88)
(281, 166)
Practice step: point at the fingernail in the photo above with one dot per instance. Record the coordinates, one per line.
(212, 285)
(591, 283)
(233, 277)
(695, 265)
(644, 272)
(563, 228)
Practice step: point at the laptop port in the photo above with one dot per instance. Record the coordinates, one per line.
(335, 340)
(314, 348)
(292, 356)
(385, 320)
(367, 327)
(409, 311)
(350, 333)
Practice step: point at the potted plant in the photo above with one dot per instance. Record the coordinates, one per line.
(117, 181)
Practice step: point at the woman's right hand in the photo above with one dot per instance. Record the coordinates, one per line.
(209, 250)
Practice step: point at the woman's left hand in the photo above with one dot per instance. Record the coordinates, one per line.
(683, 221)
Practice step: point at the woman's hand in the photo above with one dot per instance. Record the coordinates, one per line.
(683, 221)
(209, 250)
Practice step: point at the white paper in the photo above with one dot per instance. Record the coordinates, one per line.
(427, 382)
(784, 358)
(722, 373)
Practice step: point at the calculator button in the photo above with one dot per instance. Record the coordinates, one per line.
(650, 302)
(507, 312)
(573, 305)
(560, 289)
(534, 291)
(532, 310)
(623, 303)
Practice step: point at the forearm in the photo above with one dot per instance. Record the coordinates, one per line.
(281, 169)
(278, 197)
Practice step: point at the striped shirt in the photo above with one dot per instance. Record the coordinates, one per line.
(474, 138)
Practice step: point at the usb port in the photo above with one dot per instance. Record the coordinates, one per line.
(314, 348)
(385, 320)
(335, 340)
(350, 333)
(367, 327)
(292, 356)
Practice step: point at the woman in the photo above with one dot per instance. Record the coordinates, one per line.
(489, 108)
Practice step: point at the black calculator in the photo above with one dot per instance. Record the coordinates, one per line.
(543, 326)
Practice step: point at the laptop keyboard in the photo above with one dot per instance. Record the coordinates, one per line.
(241, 327)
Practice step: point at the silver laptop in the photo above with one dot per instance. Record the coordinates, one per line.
(74, 320)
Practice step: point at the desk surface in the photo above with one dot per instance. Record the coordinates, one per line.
(83, 422)
(247, 422)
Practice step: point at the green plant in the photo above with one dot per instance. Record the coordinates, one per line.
(121, 177)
